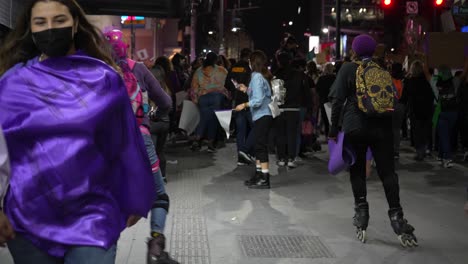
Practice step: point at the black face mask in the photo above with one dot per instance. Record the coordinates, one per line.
(54, 42)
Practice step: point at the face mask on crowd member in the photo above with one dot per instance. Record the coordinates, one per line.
(53, 29)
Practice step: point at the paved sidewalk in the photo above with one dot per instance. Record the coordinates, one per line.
(305, 218)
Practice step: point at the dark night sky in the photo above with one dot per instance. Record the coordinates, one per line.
(265, 25)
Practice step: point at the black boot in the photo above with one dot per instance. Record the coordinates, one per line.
(401, 227)
(361, 220)
(156, 253)
(253, 179)
(263, 182)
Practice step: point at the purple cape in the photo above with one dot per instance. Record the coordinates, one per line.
(79, 164)
(341, 155)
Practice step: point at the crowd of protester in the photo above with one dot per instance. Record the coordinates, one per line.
(431, 111)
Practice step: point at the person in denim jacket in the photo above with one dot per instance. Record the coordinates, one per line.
(259, 92)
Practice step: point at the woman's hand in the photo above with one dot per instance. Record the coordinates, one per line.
(6, 230)
(243, 88)
(132, 220)
(239, 107)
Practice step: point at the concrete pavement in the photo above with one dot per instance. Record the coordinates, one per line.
(305, 218)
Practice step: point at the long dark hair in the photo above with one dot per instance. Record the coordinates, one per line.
(19, 45)
(210, 60)
(258, 61)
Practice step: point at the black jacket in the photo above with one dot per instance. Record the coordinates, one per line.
(344, 100)
(297, 88)
(241, 73)
(418, 96)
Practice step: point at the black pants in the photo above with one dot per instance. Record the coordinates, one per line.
(286, 126)
(261, 128)
(323, 113)
(159, 132)
(378, 135)
(464, 130)
(422, 134)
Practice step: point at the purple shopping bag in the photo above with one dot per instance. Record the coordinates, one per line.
(341, 155)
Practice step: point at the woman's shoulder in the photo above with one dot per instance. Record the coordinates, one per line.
(12, 71)
(17, 68)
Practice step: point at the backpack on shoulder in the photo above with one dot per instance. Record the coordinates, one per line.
(278, 96)
(447, 95)
(375, 90)
(134, 91)
(278, 91)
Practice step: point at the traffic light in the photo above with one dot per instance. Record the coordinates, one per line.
(439, 2)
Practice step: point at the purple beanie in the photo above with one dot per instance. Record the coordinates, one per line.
(364, 45)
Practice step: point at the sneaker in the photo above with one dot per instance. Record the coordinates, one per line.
(211, 147)
(246, 158)
(292, 164)
(241, 161)
(298, 159)
(447, 163)
(195, 146)
(281, 163)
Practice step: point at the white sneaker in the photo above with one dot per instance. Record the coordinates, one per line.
(292, 164)
(281, 163)
(447, 163)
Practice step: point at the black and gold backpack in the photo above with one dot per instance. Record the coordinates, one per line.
(375, 90)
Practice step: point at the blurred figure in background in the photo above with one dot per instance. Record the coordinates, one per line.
(399, 113)
(209, 91)
(324, 83)
(418, 98)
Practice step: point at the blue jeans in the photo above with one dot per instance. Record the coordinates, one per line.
(245, 133)
(24, 252)
(161, 201)
(447, 121)
(208, 125)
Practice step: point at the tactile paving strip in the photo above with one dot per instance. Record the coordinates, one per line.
(189, 236)
(280, 246)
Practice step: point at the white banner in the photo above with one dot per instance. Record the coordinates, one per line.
(224, 118)
(328, 110)
(190, 117)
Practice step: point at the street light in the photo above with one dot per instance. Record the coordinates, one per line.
(234, 29)
(325, 30)
(290, 23)
(210, 32)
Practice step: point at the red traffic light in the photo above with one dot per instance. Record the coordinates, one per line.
(439, 2)
(389, 2)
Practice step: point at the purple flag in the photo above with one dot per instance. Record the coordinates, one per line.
(78, 161)
(341, 155)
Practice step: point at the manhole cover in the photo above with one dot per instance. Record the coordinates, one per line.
(276, 246)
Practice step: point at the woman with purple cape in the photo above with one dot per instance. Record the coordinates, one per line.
(80, 173)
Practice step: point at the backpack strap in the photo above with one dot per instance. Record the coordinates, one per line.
(135, 94)
(131, 64)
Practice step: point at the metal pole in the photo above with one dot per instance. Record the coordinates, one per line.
(221, 27)
(338, 30)
(323, 15)
(193, 26)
